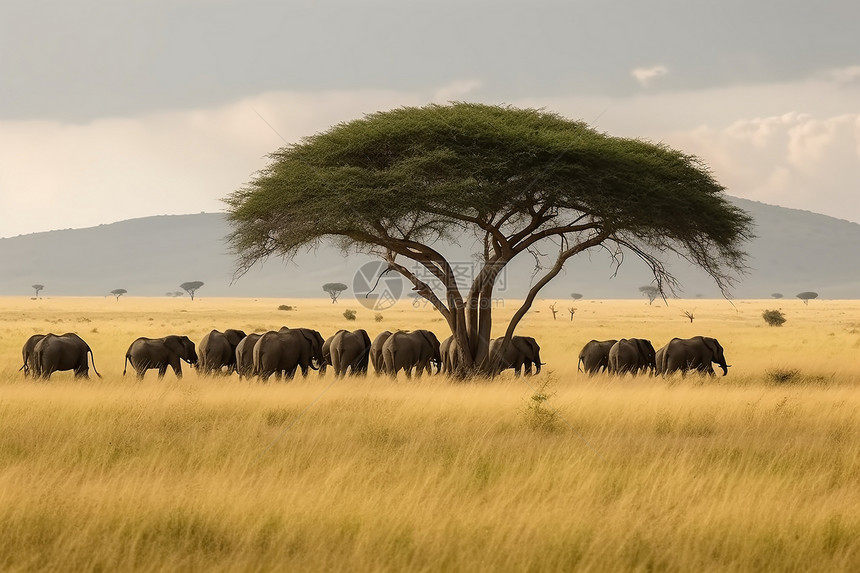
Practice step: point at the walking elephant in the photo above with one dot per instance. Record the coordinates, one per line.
(418, 349)
(218, 350)
(632, 355)
(376, 351)
(27, 352)
(450, 356)
(53, 353)
(350, 350)
(594, 356)
(245, 355)
(522, 353)
(697, 353)
(159, 353)
(287, 350)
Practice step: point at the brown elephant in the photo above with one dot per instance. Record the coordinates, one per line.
(159, 353)
(284, 351)
(350, 350)
(245, 355)
(632, 355)
(27, 353)
(376, 351)
(698, 353)
(418, 349)
(594, 356)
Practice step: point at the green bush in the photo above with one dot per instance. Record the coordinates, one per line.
(773, 317)
(378, 317)
(349, 314)
(285, 307)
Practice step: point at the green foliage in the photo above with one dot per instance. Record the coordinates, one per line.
(420, 173)
(285, 307)
(349, 314)
(538, 414)
(773, 317)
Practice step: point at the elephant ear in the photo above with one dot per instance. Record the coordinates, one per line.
(174, 344)
(712, 345)
(234, 337)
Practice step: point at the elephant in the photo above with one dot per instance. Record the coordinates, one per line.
(632, 355)
(245, 355)
(376, 351)
(450, 356)
(217, 350)
(27, 352)
(521, 353)
(350, 350)
(418, 349)
(697, 353)
(594, 356)
(146, 353)
(68, 351)
(284, 351)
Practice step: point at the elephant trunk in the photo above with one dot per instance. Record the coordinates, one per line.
(725, 368)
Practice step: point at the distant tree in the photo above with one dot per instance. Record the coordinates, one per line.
(554, 311)
(575, 296)
(178, 293)
(118, 292)
(572, 311)
(688, 314)
(776, 295)
(807, 296)
(773, 317)
(334, 290)
(650, 291)
(38, 288)
(191, 287)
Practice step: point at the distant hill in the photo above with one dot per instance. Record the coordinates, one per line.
(794, 251)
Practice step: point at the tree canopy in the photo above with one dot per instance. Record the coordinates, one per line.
(334, 290)
(118, 292)
(806, 296)
(191, 287)
(521, 180)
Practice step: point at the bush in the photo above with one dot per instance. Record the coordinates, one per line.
(538, 414)
(349, 314)
(285, 307)
(773, 317)
(783, 375)
(378, 317)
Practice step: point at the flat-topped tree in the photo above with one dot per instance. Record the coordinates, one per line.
(521, 180)
(37, 288)
(118, 292)
(191, 287)
(334, 290)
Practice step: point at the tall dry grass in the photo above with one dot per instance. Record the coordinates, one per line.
(754, 471)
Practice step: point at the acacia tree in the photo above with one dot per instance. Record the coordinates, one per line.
(118, 292)
(523, 181)
(191, 287)
(651, 291)
(334, 290)
(806, 296)
(37, 288)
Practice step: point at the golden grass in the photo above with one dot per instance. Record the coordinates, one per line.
(736, 473)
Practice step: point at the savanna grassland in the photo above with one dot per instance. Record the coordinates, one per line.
(756, 471)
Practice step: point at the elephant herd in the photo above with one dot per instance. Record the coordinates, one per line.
(279, 353)
(637, 355)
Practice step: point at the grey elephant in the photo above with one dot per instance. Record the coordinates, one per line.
(27, 352)
(594, 356)
(697, 353)
(522, 353)
(245, 355)
(217, 350)
(350, 350)
(376, 351)
(54, 353)
(418, 349)
(633, 355)
(284, 351)
(158, 353)
(450, 356)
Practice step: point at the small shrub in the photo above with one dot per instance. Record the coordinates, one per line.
(538, 415)
(783, 375)
(349, 314)
(378, 317)
(285, 307)
(773, 317)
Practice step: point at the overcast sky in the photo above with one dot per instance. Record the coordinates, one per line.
(111, 110)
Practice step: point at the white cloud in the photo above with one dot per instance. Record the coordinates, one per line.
(646, 75)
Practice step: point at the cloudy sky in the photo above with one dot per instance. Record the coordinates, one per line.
(111, 110)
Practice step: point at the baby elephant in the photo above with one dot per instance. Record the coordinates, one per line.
(146, 353)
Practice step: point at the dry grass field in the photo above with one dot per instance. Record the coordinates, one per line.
(757, 471)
